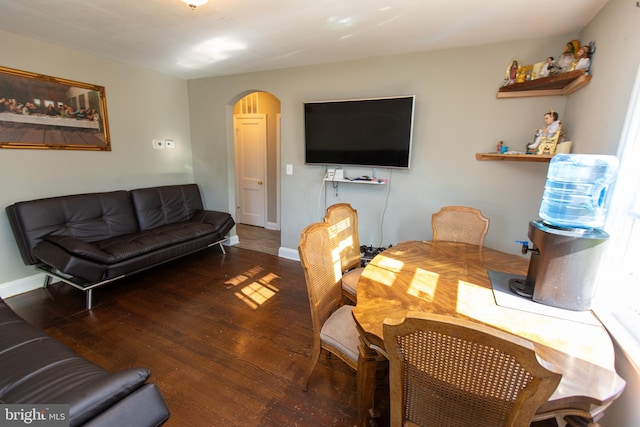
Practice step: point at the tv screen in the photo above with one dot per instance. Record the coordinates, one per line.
(359, 132)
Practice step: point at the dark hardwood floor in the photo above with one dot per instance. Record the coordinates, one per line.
(227, 339)
(258, 239)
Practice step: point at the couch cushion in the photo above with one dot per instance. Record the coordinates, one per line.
(89, 217)
(35, 367)
(221, 221)
(45, 370)
(121, 248)
(145, 407)
(158, 206)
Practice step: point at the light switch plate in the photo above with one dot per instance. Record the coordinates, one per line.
(170, 143)
(158, 144)
(289, 168)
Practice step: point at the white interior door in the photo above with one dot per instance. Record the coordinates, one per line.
(251, 161)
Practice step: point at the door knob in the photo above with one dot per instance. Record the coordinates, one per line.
(260, 182)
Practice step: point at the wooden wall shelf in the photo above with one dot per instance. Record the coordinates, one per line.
(514, 157)
(559, 84)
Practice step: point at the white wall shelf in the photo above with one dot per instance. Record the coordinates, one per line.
(373, 181)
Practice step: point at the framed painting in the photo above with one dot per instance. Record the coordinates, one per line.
(44, 112)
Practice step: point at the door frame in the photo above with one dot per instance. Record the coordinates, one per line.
(238, 189)
(276, 225)
(231, 172)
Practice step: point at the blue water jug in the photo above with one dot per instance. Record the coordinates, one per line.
(576, 188)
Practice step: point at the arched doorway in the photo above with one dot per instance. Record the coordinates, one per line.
(256, 126)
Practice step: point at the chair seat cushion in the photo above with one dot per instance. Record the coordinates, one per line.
(350, 280)
(340, 332)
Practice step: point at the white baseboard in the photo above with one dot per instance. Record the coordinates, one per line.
(21, 286)
(288, 253)
(271, 226)
(233, 240)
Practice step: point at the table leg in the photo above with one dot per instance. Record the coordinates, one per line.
(366, 378)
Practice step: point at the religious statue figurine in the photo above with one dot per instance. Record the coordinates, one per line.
(547, 68)
(547, 132)
(524, 73)
(511, 73)
(569, 55)
(583, 57)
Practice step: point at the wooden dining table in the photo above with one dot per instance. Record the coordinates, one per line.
(453, 279)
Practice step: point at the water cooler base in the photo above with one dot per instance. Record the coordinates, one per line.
(519, 287)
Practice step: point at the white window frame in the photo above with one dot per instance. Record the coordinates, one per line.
(618, 300)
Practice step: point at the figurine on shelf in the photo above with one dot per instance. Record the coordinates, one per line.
(551, 126)
(569, 55)
(523, 73)
(583, 57)
(512, 72)
(547, 68)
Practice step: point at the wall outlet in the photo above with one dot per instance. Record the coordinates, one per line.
(289, 169)
(158, 144)
(330, 173)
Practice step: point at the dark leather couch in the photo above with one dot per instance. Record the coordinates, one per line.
(37, 369)
(88, 240)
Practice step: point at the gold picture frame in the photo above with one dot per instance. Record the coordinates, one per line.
(44, 112)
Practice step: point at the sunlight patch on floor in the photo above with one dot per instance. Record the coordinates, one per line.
(256, 286)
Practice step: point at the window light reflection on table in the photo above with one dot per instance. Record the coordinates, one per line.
(386, 275)
(424, 284)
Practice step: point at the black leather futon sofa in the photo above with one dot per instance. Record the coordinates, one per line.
(38, 369)
(88, 240)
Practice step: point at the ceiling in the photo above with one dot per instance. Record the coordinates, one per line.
(226, 37)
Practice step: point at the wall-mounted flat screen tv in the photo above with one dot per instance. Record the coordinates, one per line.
(374, 132)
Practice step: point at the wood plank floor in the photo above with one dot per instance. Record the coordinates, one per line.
(258, 239)
(227, 339)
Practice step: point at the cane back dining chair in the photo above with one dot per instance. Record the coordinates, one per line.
(344, 218)
(334, 328)
(460, 224)
(446, 372)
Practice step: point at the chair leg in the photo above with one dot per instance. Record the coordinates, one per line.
(349, 298)
(315, 356)
(365, 382)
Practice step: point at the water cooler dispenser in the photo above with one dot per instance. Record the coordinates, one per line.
(568, 241)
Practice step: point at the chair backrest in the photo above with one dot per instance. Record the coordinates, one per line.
(321, 265)
(445, 371)
(460, 224)
(345, 220)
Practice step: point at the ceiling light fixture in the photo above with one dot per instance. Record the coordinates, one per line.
(195, 3)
